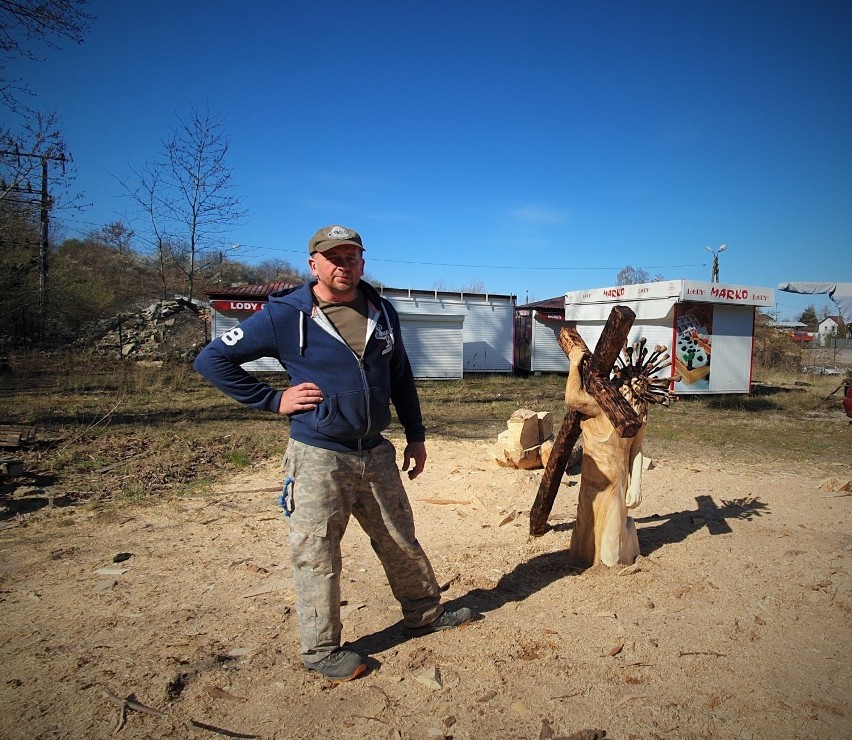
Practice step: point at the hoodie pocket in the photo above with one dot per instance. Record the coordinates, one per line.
(342, 415)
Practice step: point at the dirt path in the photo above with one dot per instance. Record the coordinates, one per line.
(733, 624)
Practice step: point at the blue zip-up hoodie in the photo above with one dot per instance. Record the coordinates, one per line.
(357, 392)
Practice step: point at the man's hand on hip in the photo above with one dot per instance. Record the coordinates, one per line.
(302, 397)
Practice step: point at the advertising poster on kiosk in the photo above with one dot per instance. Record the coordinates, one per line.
(693, 346)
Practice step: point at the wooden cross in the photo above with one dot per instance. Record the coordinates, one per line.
(596, 382)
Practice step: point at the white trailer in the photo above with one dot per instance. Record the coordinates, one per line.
(448, 334)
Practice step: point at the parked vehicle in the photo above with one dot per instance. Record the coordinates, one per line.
(801, 336)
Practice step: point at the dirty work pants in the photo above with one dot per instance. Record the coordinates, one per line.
(328, 487)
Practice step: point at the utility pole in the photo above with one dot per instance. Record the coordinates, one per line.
(44, 219)
(43, 244)
(714, 272)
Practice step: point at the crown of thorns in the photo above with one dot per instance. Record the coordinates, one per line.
(637, 370)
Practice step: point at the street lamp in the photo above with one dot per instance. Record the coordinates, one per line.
(714, 275)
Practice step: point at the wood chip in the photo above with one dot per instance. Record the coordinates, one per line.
(218, 693)
(111, 571)
(193, 724)
(629, 698)
(349, 609)
(510, 517)
(131, 703)
(430, 678)
(268, 588)
(239, 652)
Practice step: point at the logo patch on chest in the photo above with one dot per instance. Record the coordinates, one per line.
(384, 335)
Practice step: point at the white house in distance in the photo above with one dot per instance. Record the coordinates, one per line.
(708, 328)
(446, 334)
(828, 327)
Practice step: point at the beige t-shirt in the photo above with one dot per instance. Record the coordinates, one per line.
(350, 320)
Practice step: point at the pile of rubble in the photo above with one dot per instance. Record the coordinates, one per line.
(167, 330)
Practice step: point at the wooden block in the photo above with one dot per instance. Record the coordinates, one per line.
(545, 425)
(523, 429)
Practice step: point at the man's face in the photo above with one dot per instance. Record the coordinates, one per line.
(338, 270)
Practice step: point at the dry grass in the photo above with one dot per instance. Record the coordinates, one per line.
(112, 431)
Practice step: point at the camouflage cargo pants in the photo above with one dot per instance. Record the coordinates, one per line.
(328, 487)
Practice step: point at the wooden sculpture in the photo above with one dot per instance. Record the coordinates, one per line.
(596, 381)
(611, 472)
(613, 431)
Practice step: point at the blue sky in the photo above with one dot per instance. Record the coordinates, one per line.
(526, 147)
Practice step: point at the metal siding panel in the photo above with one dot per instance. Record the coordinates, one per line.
(487, 329)
(547, 355)
(488, 337)
(434, 347)
(732, 349)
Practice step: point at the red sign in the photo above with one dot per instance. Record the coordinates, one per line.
(238, 306)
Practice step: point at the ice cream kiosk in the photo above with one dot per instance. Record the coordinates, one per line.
(707, 328)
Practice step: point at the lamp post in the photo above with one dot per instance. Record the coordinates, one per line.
(714, 275)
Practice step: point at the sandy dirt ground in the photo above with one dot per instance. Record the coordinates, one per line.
(734, 623)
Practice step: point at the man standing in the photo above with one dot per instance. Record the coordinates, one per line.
(341, 345)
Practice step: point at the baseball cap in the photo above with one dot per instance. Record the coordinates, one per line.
(333, 236)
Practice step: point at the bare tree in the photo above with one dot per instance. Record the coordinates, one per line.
(630, 275)
(28, 23)
(187, 197)
(475, 285)
(22, 160)
(117, 235)
(275, 270)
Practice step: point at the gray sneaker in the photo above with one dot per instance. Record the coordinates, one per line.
(447, 621)
(339, 666)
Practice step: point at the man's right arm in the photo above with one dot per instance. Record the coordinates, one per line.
(220, 363)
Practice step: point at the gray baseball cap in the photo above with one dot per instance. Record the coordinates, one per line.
(329, 237)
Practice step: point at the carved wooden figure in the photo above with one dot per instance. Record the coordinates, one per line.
(611, 471)
(597, 382)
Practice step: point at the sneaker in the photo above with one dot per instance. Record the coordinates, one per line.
(446, 621)
(339, 666)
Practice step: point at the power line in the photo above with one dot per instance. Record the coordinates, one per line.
(279, 250)
(483, 267)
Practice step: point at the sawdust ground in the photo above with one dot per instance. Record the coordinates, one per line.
(733, 624)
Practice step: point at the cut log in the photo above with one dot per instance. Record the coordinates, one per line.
(520, 444)
(522, 429)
